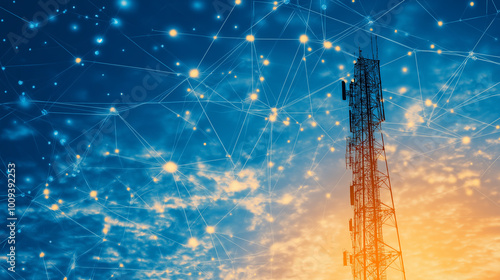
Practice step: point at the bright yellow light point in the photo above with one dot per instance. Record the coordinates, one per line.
(237, 2)
(405, 69)
(54, 207)
(428, 103)
(261, 79)
(410, 53)
(337, 48)
(202, 96)
(42, 254)
(471, 4)
(395, 31)
(440, 51)
(452, 111)
(117, 151)
(121, 265)
(215, 37)
(93, 194)
(303, 39)
(433, 46)
(440, 23)
(253, 96)
(314, 124)
(194, 73)
(46, 191)
(193, 243)
(286, 123)
(403, 90)
(497, 127)
(266, 62)
(112, 109)
(272, 118)
(250, 38)
(173, 33)
(328, 195)
(170, 167)
(210, 229)
(270, 164)
(327, 45)
(466, 140)
(332, 149)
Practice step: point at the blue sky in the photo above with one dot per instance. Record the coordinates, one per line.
(132, 166)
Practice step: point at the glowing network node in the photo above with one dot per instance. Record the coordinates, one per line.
(42, 254)
(405, 69)
(54, 207)
(428, 103)
(471, 4)
(250, 38)
(466, 140)
(327, 44)
(124, 3)
(170, 167)
(210, 229)
(237, 2)
(303, 39)
(99, 40)
(78, 60)
(337, 48)
(440, 23)
(193, 243)
(253, 96)
(173, 32)
(93, 194)
(266, 62)
(194, 73)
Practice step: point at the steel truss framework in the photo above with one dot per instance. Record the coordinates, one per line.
(376, 248)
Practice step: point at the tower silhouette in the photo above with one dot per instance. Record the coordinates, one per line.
(376, 249)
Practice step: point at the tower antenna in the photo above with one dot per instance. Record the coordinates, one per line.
(376, 248)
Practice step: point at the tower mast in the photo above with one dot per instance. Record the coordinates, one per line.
(376, 249)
